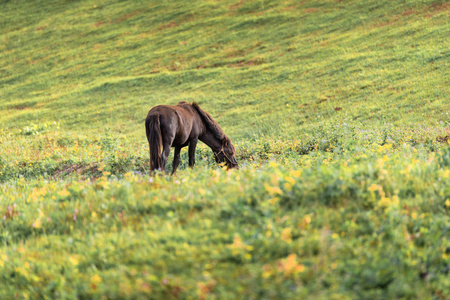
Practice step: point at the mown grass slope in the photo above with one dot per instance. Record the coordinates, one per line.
(93, 64)
(338, 111)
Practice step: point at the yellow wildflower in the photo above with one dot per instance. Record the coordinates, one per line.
(374, 187)
(273, 200)
(307, 219)
(273, 190)
(37, 223)
(274, 179)
(295, 173)
(73, 260)
(289, 265)
(267, 271)
(64, 193)
(289, 184)
(95, 281)
(446, 173)
(286, 235)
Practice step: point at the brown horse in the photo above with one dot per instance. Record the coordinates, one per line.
(182, 125)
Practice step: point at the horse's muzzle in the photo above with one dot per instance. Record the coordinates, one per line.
(233, 163)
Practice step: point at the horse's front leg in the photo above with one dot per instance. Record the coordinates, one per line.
(192, 145)
(176, 159)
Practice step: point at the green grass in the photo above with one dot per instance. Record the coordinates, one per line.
(338, 111)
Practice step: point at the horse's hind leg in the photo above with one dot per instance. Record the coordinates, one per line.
(167, 139)
(176, 159)
(165, 156)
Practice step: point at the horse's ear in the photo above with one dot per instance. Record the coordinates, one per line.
(226, 142)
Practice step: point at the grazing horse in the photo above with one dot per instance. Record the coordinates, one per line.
(182, 125)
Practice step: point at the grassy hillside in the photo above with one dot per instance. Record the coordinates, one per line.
(106, 64)
(338, 111)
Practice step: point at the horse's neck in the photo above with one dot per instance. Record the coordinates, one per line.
(211, 141)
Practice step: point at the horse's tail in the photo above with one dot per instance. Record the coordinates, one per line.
(153, 131)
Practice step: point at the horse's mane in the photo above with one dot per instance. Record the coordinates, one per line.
(209, 122)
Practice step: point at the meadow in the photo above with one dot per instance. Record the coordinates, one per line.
(338, 111)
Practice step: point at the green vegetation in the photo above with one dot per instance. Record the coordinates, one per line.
(338, 111)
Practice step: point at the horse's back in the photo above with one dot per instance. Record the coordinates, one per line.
(168, 117)
(161, 110)
(178, 122)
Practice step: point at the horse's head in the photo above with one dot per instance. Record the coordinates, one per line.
(227, 154)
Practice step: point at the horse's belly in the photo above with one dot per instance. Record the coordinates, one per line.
(182, 137)
(180, 141)
(180, 125)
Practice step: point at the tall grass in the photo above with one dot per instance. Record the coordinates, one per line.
(338, 111)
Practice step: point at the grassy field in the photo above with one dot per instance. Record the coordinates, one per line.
(338, 111)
